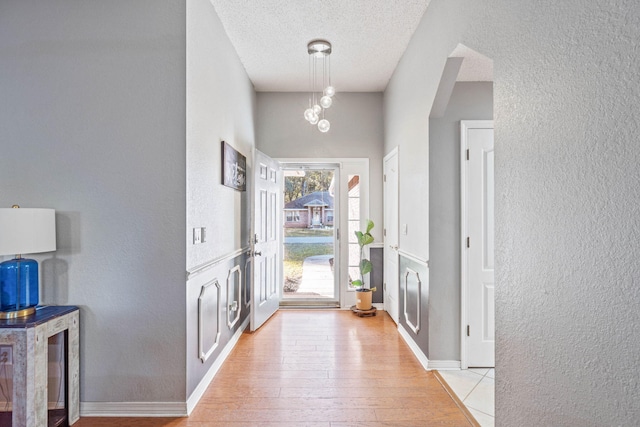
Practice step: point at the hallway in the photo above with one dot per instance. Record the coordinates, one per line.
(317, 368)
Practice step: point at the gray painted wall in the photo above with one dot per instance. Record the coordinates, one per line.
(92, 124)
(567, 195)
(469, 101)
(220, 106)
(376, 256)
(356, 131)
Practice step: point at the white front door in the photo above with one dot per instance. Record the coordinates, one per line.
(478, 242)
(266, 242)
(391, 268)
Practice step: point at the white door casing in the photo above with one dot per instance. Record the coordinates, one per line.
(348, 167)
(391, 267)
(266, 240)
(477, 235)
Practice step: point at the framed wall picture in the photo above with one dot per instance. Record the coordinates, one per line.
(234, 168)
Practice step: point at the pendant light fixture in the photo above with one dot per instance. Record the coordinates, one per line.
(320, 90)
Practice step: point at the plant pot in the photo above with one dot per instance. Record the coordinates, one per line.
(363, 299)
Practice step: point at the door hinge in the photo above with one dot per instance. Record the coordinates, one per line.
(468, 243)
(384, 232)
(468, 330)
(384, 178)
(384, 287)
(467, 154)
(337, 234)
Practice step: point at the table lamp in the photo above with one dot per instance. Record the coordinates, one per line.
(23, 231)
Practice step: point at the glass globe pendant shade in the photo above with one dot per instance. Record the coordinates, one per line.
(330, 91)
(314, 119)
(324, 125)
(317, 109)
(325, 101)
(308, 114)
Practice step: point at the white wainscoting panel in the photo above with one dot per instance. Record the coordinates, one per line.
(234, 296)
(208, 319)
(197, 394)
(412, 293)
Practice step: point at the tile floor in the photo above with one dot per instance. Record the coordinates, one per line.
(475, 388)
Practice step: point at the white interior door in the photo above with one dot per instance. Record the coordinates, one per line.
(391, 268)
(478, 242)
(266, 243)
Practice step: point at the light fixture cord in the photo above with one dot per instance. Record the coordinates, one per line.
(309, 82)
(315, 80)
(324, 71)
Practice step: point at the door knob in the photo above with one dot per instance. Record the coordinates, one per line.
(394, 247)
(256, 253)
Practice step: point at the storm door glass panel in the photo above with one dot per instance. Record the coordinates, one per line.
(309, 240)
(353, 199)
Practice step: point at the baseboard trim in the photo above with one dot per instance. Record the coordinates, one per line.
(444, 365)
(133, 409)
(199, 391)
(163, 409)
(424, 361)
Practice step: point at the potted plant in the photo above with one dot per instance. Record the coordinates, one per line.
(364, 295)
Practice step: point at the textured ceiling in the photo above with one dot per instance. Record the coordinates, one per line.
(368, 38)
(475, 66)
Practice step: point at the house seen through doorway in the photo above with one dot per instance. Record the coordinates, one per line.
(310, 210)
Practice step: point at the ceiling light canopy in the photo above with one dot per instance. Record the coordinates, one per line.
(320, 90)
(319, 48)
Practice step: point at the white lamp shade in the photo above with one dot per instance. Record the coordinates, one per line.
(27, 231)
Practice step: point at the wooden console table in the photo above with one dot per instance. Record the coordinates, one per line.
(28, 336)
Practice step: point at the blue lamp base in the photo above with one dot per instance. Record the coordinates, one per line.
(18, 288)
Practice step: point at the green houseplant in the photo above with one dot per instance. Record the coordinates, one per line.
(364, 295)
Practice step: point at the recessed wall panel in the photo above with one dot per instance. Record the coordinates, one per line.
(234, 296)
(412, 285)
(208, 319)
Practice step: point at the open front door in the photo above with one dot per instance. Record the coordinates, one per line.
(266, 242)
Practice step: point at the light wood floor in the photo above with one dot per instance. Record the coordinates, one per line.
(317, 368)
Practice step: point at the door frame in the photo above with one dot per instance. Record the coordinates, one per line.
(464, 229)
(288, 164)
(348, 166)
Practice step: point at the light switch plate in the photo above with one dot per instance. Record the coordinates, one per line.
(197, 235)
(405, 229)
